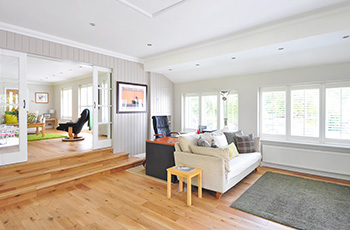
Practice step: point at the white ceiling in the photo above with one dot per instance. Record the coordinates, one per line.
(50, 71)
(123, 30)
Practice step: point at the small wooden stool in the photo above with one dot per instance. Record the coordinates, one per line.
(188, 175)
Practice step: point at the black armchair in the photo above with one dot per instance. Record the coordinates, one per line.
(75, 127)
(161, 127)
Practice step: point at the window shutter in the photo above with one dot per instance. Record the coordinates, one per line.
(305, 112)
(274, 112)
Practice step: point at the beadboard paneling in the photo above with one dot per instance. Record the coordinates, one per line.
(161, 98)
(129, 130)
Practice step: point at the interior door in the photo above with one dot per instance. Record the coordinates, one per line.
(102, 119)
(13, 112)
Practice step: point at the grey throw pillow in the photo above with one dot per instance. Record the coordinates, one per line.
(203, 142)
(245, 144)
(232, 136)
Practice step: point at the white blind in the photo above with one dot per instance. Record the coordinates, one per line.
(86, 95)
(232, 111)
(338, 113)
(273, 112)
(210, 111)
(305, 109)
(191, 112)
(66, 103)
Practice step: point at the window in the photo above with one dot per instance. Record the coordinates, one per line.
(191, 112)
(273, 112)
(318, 113)
(66, 103)
(86, 97)
(210, 111)
(338, 113)
(305, 106)
(232, 111)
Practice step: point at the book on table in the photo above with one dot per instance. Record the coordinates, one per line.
(183, 168)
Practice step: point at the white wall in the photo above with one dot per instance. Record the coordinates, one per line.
(161, 92)
(42, 108)
(248, 86)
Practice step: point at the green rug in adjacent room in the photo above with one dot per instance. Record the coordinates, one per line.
(47, 136)
(298, 202)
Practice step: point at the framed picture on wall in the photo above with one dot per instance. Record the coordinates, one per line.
(41, 98)
(131, 98)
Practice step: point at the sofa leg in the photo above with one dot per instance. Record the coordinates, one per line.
(218, 195)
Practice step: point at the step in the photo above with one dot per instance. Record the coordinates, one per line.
(46, 174)
(32, 183)
(10, 171)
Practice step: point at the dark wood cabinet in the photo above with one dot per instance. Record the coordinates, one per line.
(160, 156)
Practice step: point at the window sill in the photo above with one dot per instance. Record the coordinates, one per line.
(308, 145)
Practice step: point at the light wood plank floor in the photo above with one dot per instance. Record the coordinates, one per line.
(46, 149)
(128, 201)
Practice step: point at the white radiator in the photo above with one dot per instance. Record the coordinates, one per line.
(326, 163)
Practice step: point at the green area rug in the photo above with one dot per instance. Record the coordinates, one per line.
(47, 136)
(298, 202)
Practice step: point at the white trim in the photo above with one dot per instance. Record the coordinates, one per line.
(52, 38)
(308, 171)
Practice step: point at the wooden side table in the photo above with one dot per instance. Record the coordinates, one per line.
(188, 175)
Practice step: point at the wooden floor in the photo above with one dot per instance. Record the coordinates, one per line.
(128, 201)
(46, 149)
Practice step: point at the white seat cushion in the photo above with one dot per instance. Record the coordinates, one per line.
(243, 161)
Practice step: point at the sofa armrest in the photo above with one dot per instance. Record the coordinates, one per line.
(214, 174)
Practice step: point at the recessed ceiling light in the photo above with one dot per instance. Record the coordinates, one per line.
(233, 58)
(46, 77)
(170, 69)
(80, 67)
(197, 64)
(70, 70)
(281, 48)
(346, 36)
(92, 24)
(61, 72)
(149, 44)
(53, 75)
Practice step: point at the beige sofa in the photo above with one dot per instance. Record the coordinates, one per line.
(219, 174)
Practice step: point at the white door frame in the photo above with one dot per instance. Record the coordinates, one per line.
(22, 154)
(97, 144)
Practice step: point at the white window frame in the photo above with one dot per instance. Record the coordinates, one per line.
(273, 136)
(322, 113)
(63, 117)
(289, 103)
(331, 140)
(220, 122)
(82, 106)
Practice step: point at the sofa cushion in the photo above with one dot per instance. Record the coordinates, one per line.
(232, 150)
(220, 140)
(220, 152)
(203, 142)
(245, 144)
(242, 162)
(10, 119)
(185, 141)
(232, 136)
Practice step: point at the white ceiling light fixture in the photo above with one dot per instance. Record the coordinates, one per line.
(151, 8)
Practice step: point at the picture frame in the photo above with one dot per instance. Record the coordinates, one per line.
(41, 98)
(47, 115)
(131, 98)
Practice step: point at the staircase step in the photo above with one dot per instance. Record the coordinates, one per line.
(59, 173)
(9, 171)
(46, 174)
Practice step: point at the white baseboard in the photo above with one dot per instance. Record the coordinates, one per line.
(308, 171)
